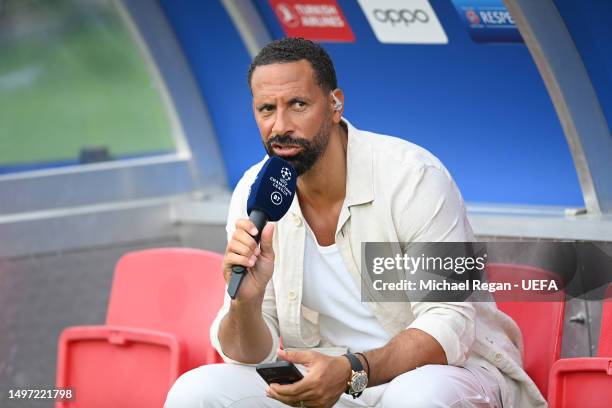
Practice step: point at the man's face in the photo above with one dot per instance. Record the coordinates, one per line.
(292, 112)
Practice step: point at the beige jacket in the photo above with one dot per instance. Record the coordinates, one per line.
(396, 192)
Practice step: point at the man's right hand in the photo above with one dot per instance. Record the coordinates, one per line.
(259, 260)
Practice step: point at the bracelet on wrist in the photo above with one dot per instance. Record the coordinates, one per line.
(367, 363)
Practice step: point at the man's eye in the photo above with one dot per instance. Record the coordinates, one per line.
(299, 104)
(266, 109)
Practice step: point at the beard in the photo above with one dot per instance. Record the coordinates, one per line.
(311, 149)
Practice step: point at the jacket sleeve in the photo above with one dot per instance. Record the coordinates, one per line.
(438, 209)
(237, 210)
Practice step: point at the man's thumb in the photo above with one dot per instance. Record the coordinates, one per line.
(265, 242)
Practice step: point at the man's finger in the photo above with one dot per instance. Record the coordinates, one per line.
(235, 259)
(297, 389)
(307, 395)
(292, 400)
(244, 238)
(239, 248)
(247, 225)
(298, 357)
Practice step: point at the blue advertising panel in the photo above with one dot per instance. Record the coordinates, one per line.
(487, 21)
(483, 110)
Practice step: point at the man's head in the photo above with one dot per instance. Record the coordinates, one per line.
(297, 49)
(293, 83)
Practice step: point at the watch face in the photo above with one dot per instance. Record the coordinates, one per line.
(359, 381)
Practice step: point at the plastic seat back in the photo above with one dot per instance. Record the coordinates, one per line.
(161, 306)
(586, 381)
(541, 322)
(173, 290)
(605, 334)
(110, 366)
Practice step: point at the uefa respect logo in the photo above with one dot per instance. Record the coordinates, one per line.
(487, 21)
(472, 17)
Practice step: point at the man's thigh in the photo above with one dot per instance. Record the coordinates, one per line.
(236, 386)
(443, 386)
(220, 386)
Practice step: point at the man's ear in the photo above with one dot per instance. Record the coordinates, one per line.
(338, 103)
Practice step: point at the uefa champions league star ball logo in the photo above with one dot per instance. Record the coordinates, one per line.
(286, 174)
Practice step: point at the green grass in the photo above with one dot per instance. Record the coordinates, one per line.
(88, 86)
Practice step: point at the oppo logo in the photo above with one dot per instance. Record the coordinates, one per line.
(401, 16)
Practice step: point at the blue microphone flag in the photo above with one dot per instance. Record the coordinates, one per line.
(273, 189)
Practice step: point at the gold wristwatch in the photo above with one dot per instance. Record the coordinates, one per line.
(359, 378)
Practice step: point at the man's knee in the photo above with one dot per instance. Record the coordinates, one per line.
(201, 387)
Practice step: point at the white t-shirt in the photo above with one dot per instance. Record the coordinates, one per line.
(328, 289)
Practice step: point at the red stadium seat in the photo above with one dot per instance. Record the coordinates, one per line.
(161, 306)
(586, 382)
(605, 336)
(115, 366)
(540, 318)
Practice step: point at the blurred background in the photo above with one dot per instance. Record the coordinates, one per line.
(126, 124)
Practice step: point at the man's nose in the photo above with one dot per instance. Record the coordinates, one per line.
(282, 123)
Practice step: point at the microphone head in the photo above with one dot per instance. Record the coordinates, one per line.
(273, 190)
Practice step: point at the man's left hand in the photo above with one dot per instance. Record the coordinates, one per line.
(322, 385)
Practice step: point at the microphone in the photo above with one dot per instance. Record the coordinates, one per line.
(270, 197)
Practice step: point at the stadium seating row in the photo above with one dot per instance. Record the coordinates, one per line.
(163, 302)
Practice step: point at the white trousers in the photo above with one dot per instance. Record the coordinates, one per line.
(237, 386)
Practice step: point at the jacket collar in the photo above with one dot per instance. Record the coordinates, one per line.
(359, 185)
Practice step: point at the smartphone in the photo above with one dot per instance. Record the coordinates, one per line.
(279, 372)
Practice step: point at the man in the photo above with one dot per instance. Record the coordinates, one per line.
(303, 279)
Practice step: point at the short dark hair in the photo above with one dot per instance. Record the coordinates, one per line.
(297, 49)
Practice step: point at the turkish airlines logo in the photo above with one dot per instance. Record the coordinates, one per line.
(309, 15)
(287, 15)
(317, 20)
